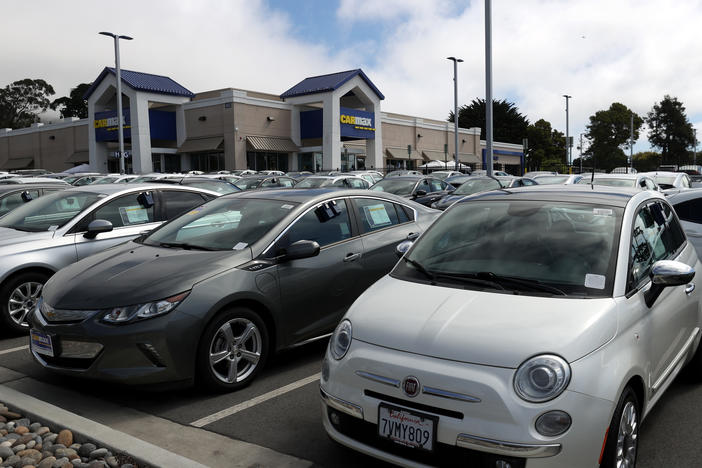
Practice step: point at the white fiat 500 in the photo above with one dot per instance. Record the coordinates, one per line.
(526, 328)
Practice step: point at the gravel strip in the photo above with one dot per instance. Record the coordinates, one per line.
(27, 444)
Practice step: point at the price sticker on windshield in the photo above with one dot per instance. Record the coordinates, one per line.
(602, 212)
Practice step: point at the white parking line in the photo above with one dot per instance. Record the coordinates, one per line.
(254, 401)
(12, 350)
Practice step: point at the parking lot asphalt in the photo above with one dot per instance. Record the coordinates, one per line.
(281, 410)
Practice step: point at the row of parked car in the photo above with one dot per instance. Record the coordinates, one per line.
(525, 325)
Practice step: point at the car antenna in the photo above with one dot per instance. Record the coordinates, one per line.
(592, 179)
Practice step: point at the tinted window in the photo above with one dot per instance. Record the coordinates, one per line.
(375, 214)
(395, 186)
(402, 214)
(357, 183)
(14, 200)
(122, 211)
(436, 185)
(423, 185)
(50, 211)
(690, 210)
(178, 202)
(326, 224)
(286, 182)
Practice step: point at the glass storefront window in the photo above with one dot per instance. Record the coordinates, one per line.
(156, 162)
(205, 162)
(261, 161)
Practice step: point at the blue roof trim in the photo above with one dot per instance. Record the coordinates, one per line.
(326, 83)
(143, 82)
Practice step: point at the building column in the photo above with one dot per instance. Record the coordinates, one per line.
(331, 131)
(141, 134)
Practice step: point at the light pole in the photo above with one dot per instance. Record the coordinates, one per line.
(455, 106)
(119, 96)
(694, 155)
(488, 86)
(567, 134)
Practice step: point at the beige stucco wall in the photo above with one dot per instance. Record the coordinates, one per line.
(253, 120)
(48, 153)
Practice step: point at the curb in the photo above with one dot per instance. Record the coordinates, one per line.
(142, 452)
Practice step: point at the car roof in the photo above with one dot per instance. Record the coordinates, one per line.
(599, 194)
(110, 189)
(21, 187)
(311, 195)
(614, 175)
(409, 177)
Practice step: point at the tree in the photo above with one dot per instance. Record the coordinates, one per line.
(22, 101)
(546, 146)
(670, 130)
(646, 161)
(608, 132)
(509, 125)
(74, 105)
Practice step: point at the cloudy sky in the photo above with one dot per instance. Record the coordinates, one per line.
(598, 51)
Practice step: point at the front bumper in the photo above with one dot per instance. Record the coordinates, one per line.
(152, 351)
(481, 420)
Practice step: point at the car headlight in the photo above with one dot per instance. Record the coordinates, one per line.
(341, 340)
(541, 378)
(143, 311)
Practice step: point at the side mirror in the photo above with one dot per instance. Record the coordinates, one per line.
(26, 196)
(665, 273)
(300, 249)
(96, 227)
(420, 193)
(403, 247)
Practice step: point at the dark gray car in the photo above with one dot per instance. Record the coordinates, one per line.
(212, 293)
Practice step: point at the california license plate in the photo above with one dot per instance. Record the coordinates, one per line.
(41, 343)
(406, 427)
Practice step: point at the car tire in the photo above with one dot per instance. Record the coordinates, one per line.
(18, 298)
(621, 447)
(233, 350)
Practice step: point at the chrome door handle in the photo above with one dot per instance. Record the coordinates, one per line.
(689, 288)
(412, 235)
(352, 257)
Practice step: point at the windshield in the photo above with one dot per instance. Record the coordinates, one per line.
(665, 182)
(552, 180)
(398, 187)
(313, 182)
(610, 182)
(219, 187)
(477, 185)
(222, 224)
(49, 212)
(138, 180)
(105, 180)
(569, 247)
(248, 183)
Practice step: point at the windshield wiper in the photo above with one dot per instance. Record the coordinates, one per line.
(419, 267)
(529, 283)
(184, 245)
(471, 278)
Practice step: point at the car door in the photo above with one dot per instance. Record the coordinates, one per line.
(383, 225)
(667, 325)
(130, 214)
(315, 292)
(433, 190)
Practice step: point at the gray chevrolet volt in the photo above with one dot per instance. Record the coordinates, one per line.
(210, 295)
(39, 238)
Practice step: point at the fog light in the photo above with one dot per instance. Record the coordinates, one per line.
(553, 423)
(335, 419)
(80, 349)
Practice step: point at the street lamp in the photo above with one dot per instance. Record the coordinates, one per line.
(455, 105)
(567, 135)
(119, 96)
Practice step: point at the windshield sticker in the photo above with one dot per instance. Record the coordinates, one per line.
(594, 281)
(240, 246)
(377, 215)
(133, 214)
(287, 207)
(602, 212)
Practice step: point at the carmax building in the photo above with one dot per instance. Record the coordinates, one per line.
(327, 122)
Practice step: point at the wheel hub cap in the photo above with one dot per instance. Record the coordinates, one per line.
(627, 438)
(235, 350)
(22, 301)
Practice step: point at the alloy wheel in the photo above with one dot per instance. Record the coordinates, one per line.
(235, 350)
(627, 438)
(23, 299)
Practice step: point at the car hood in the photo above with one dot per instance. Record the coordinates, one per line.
(478, 327)
(135, 274)
(13, 236)
(447, 201)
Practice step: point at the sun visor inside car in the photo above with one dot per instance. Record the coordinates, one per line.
(146, 199)
(327, 211)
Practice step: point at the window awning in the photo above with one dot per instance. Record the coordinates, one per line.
(468, 158)
(18, 163)
(401, 153)
(79, 157)
(272, 144)
(195, 145)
